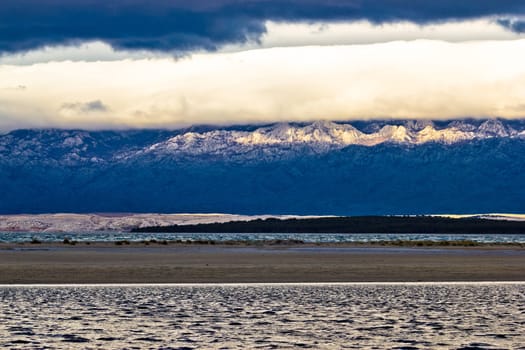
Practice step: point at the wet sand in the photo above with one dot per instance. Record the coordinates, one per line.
(138, 263)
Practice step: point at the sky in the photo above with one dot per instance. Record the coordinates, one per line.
(98, 64)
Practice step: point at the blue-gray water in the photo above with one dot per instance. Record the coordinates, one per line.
(306, 237)
(351, 316)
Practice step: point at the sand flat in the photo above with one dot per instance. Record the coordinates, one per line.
(107, 263)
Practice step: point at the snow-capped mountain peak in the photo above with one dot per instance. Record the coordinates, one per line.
(493, 128)
(353, 168)
(324, 135)
(77, 146)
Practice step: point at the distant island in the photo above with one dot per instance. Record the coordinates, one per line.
(353, 224)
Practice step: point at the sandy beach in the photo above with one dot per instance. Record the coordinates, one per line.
(138, 263)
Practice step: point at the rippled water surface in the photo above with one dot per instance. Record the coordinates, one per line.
(306, 237)
(353, 316)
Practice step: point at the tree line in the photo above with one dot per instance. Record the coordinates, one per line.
(353, 224)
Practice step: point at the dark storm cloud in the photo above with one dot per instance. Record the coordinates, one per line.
(516, 25)
(171, 25)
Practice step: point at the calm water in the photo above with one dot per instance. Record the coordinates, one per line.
(353, 316)
(306, 237)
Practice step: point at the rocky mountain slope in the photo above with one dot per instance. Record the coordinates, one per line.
(377, 167)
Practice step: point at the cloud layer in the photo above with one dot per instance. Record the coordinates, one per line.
(170, 63)
(179, 25)
(290, 34)
(417, 79)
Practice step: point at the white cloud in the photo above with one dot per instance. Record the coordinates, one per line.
(285, 34)
(416, 79)
(88, 51)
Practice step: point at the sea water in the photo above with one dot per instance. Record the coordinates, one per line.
(265, 316)
(113, 236)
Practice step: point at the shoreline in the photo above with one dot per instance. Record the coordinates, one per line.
(461, 243)
(264, 284)
(108, 263)
(278, 244)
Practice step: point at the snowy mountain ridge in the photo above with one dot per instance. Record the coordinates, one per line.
(326, 135)
(70, 147)
(321, 168)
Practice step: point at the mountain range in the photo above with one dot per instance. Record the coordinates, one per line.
(338, 168)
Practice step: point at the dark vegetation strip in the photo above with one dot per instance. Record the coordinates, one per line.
(352, 224)
(295, 242)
